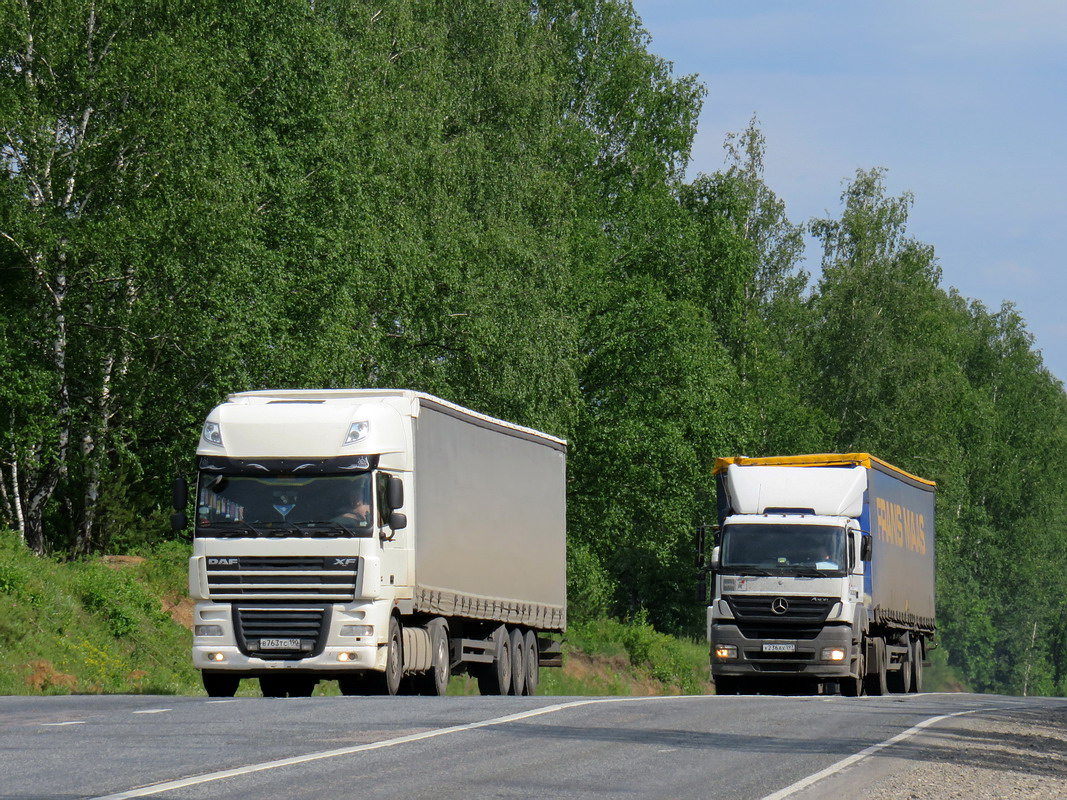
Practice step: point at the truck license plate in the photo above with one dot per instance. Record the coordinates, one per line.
(779, 648)
(279, 644)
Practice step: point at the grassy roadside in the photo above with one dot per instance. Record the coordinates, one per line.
(120, 625)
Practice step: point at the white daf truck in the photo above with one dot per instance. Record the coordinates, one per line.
(824, 575)
(386, 539)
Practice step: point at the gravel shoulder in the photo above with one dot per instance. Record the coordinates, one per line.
(988, 755)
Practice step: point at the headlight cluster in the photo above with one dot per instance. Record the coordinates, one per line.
(724, 652)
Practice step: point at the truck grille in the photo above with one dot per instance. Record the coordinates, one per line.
(280, 632)
(760, 608)
(282, 578)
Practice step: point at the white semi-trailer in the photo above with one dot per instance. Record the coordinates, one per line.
(824, 575)
(385, 539)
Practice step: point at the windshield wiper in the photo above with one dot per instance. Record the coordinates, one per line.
(320, 526)
(231, 527)
(746, 569)
(807, 572)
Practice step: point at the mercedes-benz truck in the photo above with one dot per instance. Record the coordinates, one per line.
(823, 575)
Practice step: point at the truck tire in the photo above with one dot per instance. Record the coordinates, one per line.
(853, 686)
(220, 684)
(518, 662)
(388, 682)
(434, 681)
(878, 683)
(916, 666)
(495, 678)
(899, 682)
(533, 664)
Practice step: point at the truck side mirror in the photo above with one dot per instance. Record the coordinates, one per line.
(178, 521)
(395, 495)
(398, 521)
(866, 547)
(180, 494)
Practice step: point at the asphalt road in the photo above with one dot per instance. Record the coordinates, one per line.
(181, 748)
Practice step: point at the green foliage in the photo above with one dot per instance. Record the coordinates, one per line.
(92, 626)
(485, 200)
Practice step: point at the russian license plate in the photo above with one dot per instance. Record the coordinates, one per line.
(779, 648)
(279, 644)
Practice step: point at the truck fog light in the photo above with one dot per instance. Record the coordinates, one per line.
(357, 630)
(207, 630)
(833, 654)
(725, 651)
(347, 657)
(216, 657)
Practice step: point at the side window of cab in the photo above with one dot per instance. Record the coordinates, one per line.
(381, 492)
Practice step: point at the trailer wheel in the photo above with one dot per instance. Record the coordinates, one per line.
(899, 682)
(917, 666)
(220, 684)
(533, 664)
(495, 678)
(518, 663)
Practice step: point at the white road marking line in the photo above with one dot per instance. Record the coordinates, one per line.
(153, 711)
(166, 786)
(804, 783)
(59, 724)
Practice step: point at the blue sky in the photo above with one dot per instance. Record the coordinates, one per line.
(963, 102)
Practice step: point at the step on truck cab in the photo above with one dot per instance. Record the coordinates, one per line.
(823, 575)
(386, 539)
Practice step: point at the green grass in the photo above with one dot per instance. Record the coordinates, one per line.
(103, 626)
(93, 626)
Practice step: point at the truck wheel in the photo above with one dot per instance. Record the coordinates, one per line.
(220, 684)
(916, 666)
(900, 681)
(435, 681)
(495, 678)
(878, 684)
(853, 687)
(394, 660)
(533, 664)
(518, 662)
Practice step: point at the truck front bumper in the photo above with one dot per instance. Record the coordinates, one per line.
(224, 658)
(782, 656)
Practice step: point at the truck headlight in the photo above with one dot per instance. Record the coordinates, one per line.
(833, 654)
(212, 433)
(357, 432)
(207, 630)
(356, 630)
(724, 652)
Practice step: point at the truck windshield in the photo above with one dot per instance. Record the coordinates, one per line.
(783, 549)
(323, 505)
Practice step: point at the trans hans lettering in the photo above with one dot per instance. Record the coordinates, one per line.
(901, 526)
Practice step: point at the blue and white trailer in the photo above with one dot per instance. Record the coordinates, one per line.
(823, 575)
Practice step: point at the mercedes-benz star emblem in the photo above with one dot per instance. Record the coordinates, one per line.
(779, 605)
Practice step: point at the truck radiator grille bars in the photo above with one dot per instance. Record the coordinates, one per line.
(282, 632)
(282, 578)
(779, 608)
